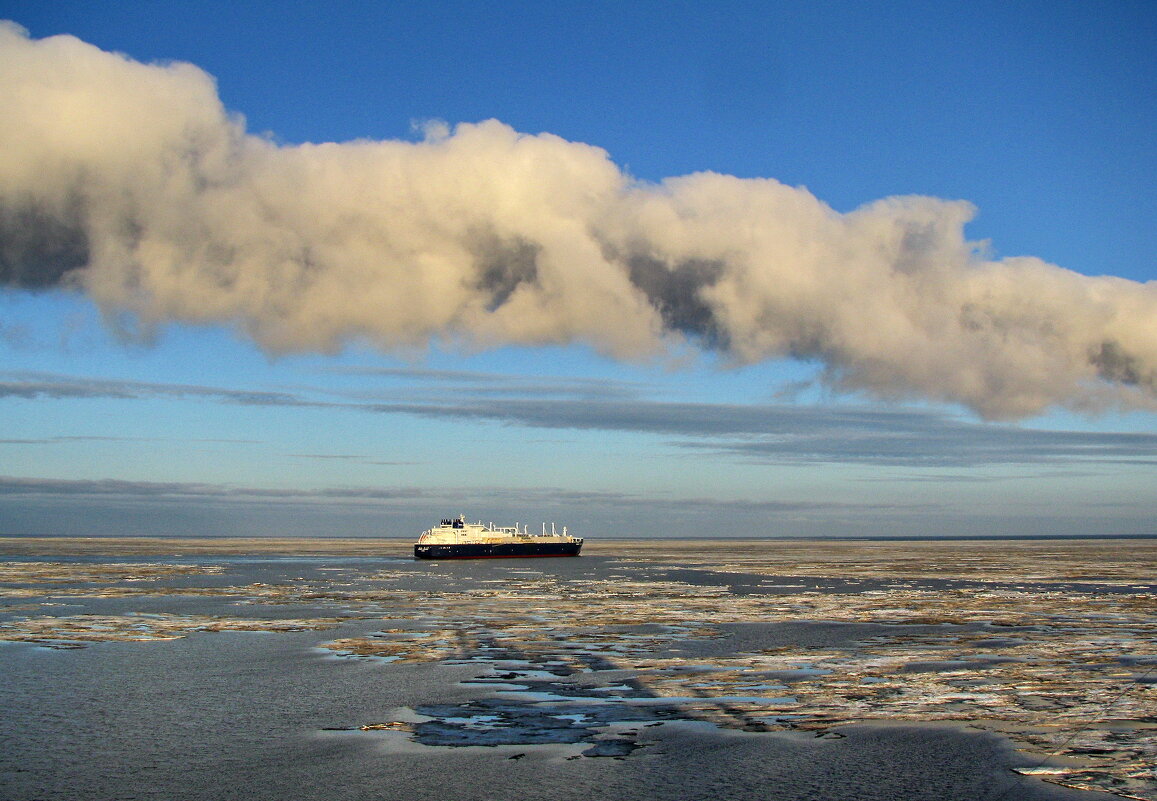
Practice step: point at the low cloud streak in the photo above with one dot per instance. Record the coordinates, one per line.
(768, 433)
(134, 184)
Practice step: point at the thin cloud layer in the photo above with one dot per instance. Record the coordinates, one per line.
(133, 183)
(772, 434)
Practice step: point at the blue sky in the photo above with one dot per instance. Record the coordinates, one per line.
(1039, 115)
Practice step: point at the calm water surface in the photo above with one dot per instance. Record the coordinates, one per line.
(628, 673)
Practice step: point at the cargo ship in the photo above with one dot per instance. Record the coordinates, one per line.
(457, 539)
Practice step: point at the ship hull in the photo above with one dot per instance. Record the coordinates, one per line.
(497, 550)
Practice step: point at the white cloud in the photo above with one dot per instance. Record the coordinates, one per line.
(133, 182)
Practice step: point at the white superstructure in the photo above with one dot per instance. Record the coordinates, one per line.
(459, 532)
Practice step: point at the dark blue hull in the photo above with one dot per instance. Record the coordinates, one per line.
(504, 550)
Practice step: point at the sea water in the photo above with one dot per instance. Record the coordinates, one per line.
(638, 670)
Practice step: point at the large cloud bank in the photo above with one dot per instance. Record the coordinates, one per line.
(133, 183)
